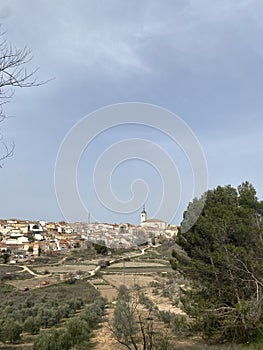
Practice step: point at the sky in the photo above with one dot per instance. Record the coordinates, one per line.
(199, 59)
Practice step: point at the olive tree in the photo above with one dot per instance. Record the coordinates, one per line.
(134, 324)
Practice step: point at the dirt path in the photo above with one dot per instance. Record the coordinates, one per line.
(103, 339)
(26, 268)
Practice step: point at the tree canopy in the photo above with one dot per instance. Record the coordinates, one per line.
(222, 257)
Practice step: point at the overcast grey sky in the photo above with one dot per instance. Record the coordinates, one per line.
(201, 59)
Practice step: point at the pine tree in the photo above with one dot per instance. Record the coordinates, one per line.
(224, 263)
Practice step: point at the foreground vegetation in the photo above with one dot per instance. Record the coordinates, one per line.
(222, 258)
(58, 317)
(75, 331)
(217, 280)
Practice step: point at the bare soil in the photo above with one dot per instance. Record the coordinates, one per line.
(163, 303)
(32, 283)
(103, 339)
(107, 291)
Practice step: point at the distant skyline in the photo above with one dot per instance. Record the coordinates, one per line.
(202, 60)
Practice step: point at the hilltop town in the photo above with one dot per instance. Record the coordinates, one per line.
(22, 238)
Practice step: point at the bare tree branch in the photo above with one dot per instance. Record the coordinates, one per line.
(14, 74)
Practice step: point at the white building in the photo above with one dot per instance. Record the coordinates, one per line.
(143, 215)
(156, 224)
(18, 240)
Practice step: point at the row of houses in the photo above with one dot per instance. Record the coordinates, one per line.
(14, 226)
(35, 236)
(24, 238)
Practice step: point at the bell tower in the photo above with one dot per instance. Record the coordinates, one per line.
(143, 215)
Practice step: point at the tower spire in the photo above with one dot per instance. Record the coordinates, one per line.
(143, 214)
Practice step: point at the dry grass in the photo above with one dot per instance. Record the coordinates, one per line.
(130, 280)
(199, 345)
(64, 268)
(107, 291)
(61, 291)
(137, 264)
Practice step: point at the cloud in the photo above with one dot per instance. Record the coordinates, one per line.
(201, 59)
(122, 39)
(96, 38)
(202, 35)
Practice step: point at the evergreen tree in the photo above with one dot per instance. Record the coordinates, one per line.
(224, 262)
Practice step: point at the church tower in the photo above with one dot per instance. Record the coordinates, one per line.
(143, 215)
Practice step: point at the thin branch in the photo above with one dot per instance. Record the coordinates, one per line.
(249, 272)
(13, 74)
(8, 151)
